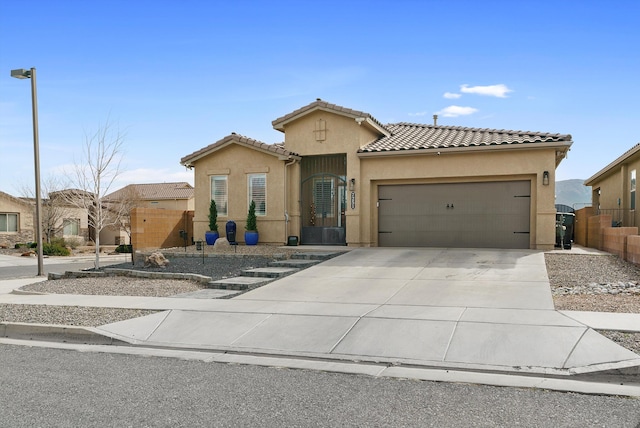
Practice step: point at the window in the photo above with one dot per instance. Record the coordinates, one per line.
(632, 186)
(71, 226)
(219, 194)
(8, 222)
(258, 192)
(323, 197)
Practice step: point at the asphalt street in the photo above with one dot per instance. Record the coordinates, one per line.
(56, 388)
(26, 267)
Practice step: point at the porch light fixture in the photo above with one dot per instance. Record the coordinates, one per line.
(21, 73)
(545, 178)
(352, 184)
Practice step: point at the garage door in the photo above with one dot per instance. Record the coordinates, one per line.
(458, 215)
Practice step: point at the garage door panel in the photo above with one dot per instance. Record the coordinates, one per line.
(484, 215)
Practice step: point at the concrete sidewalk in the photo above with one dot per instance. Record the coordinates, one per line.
(465, 309)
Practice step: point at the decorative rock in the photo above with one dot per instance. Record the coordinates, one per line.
(156, 260)
(221, 243)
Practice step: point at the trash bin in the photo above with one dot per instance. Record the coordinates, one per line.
(564, 230)
(230, 228)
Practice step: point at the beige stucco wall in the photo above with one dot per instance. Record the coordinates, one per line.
(463, 167)
(615, 198)
(169, 204)
(343, 135)
(237, 162)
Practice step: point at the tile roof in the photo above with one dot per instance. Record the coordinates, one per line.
(276, 149)
(410, 136)
(319, 104)
(156, 191)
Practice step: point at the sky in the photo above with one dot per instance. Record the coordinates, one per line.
(176, 76)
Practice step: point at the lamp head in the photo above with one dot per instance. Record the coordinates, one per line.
(21, 73)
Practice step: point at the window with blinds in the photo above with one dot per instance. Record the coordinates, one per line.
(220, 194)
(258, 193)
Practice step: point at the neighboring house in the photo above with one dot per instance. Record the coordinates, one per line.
(61, 218)
(342, 177)
(613, 189)
(16, 221)
(168, 196)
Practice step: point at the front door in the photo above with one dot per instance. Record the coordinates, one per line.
(323, 200)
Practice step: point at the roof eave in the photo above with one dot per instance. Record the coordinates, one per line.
(188, 161)
(359, 117)
(561, 146)
(609, 168)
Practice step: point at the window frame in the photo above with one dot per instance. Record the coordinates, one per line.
(222, 204)
(69, 221)
(7, 223)
(632, 191)
(260, 212)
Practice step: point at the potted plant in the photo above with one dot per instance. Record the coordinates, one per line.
(212, 234)
(251, 232)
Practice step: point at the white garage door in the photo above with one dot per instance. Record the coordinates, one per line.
(458, 215)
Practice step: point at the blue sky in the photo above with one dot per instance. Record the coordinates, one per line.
(176, 76)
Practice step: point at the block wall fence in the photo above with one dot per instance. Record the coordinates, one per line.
(597, 232)
(159, 228)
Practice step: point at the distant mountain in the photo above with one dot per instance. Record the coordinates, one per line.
(573, 193)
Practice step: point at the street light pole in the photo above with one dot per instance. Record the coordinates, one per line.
(26, 74)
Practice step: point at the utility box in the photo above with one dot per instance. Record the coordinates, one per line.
(230, 228)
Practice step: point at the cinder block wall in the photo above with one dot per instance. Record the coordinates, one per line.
(633, 249)
(580, 227)
(614, 240)
(159, 228)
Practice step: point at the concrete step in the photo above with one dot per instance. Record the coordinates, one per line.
(238, 283)
(315, 255)
(269, 272)
(294, 263)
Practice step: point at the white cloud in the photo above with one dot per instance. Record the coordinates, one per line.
(451, 95)
(455, 111)
(499, 91)
(421, 113)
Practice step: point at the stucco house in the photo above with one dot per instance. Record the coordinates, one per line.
(342, 177)
(613, 189)
(164, 196)
(16, 221)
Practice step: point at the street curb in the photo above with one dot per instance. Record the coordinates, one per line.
(56, 333)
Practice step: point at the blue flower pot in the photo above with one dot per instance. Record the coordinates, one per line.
(211, 237)
(250, 237)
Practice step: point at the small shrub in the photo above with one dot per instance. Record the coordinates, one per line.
(122, 248)
(32, 245)
(55, 249)
(73, 243)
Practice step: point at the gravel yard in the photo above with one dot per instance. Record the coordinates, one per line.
(578, 282)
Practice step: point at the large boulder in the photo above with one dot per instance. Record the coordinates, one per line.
(221, 243)
(156, 260)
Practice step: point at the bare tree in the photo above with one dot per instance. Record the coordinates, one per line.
(119, 206)
(55, 210)
(94, 175)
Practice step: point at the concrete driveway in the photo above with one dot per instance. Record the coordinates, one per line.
(475, 309)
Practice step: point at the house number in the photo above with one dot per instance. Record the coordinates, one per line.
(353, 200)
